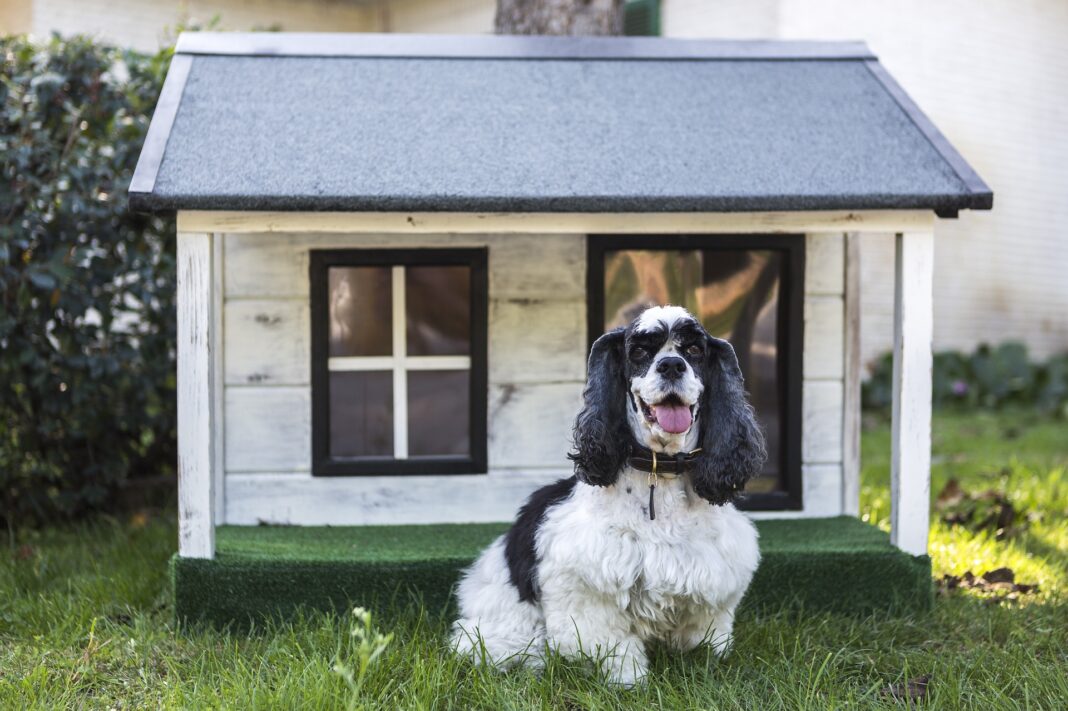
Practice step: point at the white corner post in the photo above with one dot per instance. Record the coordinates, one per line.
(197, 404)
(910, 467)
(852, 373)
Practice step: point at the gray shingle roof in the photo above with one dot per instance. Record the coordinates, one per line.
(534, 124)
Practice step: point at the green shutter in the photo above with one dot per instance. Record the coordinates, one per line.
(641, 17)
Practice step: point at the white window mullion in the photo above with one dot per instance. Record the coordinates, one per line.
(400, 375)
(357, 363)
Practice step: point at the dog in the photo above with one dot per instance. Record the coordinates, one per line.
(643, 543)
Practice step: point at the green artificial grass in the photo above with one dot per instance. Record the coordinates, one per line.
(834, 564)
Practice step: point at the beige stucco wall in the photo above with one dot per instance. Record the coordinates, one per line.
(146, 24)
(16, 16)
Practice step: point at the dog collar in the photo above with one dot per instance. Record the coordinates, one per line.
(664, 465)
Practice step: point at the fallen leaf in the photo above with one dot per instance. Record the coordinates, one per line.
(1000, 575)
(951, 495)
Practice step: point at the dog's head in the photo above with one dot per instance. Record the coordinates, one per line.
(668, 385)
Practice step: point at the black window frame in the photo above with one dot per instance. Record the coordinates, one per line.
(320, 261)
(790, 342)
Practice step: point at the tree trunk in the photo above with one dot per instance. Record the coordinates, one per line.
(559, 17)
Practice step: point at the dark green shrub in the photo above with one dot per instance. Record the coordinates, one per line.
(87, 319)
(991, 377)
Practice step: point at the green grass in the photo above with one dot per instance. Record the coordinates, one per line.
(86, 621)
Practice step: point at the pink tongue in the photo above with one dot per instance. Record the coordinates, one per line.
(673, 418)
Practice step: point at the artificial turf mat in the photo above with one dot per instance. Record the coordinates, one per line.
(838, 564)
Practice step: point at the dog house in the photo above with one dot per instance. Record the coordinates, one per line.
(394, 252)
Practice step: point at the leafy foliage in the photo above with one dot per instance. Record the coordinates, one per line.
(87, 324)
(991, 377)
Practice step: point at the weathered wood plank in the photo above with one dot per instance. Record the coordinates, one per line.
(824, 337)
(852, 367)
(349, 501)
(196, 396)
(824, 259)
(532, 340)
(268, 429)
(267, 342)
(910, 466)
(821, 422)
(218, 390)
(536, 266)
(530, 424)
(822, 489)
(547, 223)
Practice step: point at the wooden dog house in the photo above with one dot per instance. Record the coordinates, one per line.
(394, 252)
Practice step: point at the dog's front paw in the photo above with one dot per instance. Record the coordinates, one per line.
(721, 644)
(626, 670)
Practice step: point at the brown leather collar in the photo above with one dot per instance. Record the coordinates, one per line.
(666, 465)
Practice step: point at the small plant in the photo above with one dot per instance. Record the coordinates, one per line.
(370, 644)
(991, 377)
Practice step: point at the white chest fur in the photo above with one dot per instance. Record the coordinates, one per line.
(658, 572)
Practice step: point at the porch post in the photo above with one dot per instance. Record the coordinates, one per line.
(910, 469)
(196, 396)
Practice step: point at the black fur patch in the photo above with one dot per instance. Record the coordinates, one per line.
(519, 541)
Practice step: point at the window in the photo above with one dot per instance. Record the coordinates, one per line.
(641, 17)
(747, 289)
(398, 362)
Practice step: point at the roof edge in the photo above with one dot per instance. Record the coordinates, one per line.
(982, 197)
(562, 204)
(380, 45)
(159, 129)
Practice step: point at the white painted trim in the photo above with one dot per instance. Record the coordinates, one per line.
(400, 376)
(362, 363)
(196, 396)
(851, 405)
(218, 346)
(556, 223)
(910, 468)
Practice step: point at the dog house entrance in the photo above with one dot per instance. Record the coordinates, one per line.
(746, 289)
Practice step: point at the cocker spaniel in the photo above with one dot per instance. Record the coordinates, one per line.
(643, 542)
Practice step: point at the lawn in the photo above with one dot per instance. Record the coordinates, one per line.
(86, 619)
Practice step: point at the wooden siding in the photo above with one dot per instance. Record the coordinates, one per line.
(537, 355)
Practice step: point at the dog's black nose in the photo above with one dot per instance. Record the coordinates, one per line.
(672, 368)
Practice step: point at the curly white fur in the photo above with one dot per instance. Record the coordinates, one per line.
(612, 580)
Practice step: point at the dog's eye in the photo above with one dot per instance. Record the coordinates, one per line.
(694, 350)
(638, 353)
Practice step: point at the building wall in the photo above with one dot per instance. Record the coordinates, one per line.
(993, 76)
(149, 24)
(16, 17)
(537, 359)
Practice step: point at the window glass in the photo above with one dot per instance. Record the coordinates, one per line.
(735, 294)
(360, 303)
(361, 414)
(438, 302)
(438, 413)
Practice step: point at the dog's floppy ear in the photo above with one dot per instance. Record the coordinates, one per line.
(732, 443)
(601, 432)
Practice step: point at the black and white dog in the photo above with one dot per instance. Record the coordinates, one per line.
(643, 542)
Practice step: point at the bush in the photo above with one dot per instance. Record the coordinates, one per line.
(991, 377)
(87, 324)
